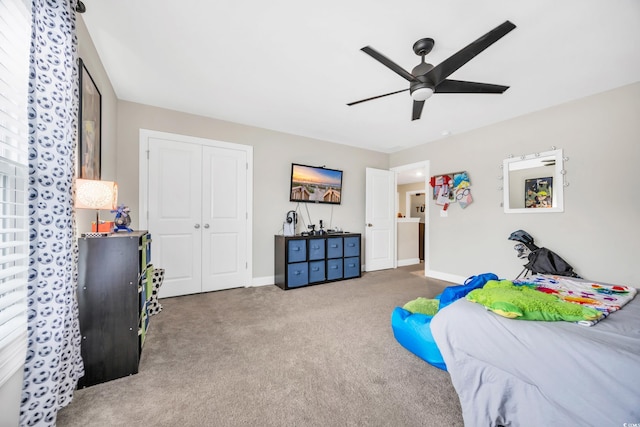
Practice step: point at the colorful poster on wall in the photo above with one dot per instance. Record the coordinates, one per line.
(452, 188)
(438, 182)
(538, 192)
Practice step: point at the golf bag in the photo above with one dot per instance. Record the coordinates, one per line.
(541, 260)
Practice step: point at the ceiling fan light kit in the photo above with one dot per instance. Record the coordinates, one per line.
(422, 94)
(425, 79)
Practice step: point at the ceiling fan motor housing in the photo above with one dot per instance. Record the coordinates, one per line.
(420, 79)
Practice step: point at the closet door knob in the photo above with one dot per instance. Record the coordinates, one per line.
(196, 226)
(206, 226)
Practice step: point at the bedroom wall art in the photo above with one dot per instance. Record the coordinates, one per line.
(452, 188)
(89, 125)
(538, 193)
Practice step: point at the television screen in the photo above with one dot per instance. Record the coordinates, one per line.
(312, 184)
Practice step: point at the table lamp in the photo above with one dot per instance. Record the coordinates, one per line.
(95, 194)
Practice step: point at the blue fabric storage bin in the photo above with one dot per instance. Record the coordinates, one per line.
(351, 267)
(334, 247)
(351, 246)
(334, 269)
(298, 274)
(316, 271)
(297, 250)
(316, 249)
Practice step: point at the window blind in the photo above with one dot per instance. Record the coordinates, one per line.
(15, 34)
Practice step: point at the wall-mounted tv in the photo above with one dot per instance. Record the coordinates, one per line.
(312, 184)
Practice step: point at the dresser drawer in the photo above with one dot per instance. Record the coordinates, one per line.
(316, 248)
(298, 274)
(334, 247)
(351, 267)
(297, 250)
(351, 247)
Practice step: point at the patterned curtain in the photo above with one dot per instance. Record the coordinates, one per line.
(53, 363)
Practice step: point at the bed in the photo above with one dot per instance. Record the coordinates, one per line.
(532, 373)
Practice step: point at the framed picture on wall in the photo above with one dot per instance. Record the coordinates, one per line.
(538, 192)
(89, 126)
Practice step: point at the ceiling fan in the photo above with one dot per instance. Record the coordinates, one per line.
(425, 79)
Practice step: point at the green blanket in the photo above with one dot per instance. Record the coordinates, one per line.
(522, 302)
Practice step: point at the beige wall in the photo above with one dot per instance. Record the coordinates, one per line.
(407, 241)
(273, 153)
(87, 52)
(597, 233)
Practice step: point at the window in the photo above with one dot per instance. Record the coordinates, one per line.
(15, 33)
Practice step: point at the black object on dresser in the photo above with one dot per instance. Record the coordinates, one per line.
(311, 260)
(113, 292)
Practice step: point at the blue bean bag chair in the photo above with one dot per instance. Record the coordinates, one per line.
(413, 330)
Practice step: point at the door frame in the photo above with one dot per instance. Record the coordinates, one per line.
(426, 164)
(143, 182)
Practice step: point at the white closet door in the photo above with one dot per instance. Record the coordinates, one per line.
(175, 190)
(224, 218)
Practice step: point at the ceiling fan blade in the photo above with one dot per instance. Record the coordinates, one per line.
(376, 97)
(459, 86)
(417, 110)
(388, 63)
(458, 59)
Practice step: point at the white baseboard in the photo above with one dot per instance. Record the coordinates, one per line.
(409, 261)
(262, 281)
(459, 280)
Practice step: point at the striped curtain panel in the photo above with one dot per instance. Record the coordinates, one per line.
(53, 363)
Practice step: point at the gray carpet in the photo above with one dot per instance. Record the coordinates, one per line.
(324, 355)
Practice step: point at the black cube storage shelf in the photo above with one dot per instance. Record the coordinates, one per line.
(311, 260)
(113, 294)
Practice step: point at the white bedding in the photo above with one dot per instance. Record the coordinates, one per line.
(530, 373)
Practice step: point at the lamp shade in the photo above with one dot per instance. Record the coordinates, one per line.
(94, 194)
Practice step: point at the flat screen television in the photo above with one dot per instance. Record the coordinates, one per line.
(313, 184)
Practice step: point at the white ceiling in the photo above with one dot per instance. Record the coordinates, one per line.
(293, 65)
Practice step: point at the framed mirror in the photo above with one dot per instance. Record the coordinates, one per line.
(534, 183)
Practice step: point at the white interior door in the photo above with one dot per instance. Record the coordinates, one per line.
(175, 187)
(380, 233)
(224, 217)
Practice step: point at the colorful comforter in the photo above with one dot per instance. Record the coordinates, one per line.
(604, 298)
